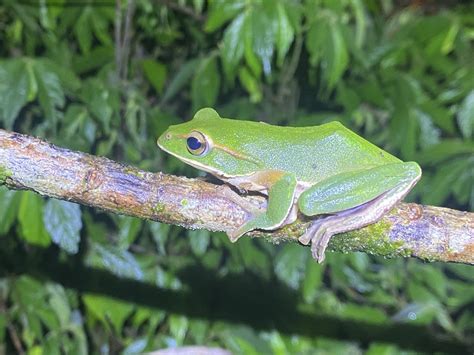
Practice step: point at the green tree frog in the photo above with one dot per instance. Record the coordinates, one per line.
(327, 172)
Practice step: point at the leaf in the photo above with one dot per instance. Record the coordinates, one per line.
(107, 309)
(50, 92)
(446, 149)
(290, 264)
(14, 90)
(199, 240)
(62, 220)
(264, 30)
(206, 83)
(312, 280)
(30, 216)
(416, 313)
(138, 346)
(361, 23)
(83, 31)
(120, 262)
(8, 208)
(233, 45)
(178, 328)
(222, 11)
(382, 349)
(97, 97)
(180, 79)
(465, 116)
(315, 40)
(59, 303)
(337, 57)
(430, 134)
(155, 72)
(250, 58)
(285, 33)
(440, 185)
(128, 229)
(363, 313)
(250, 84)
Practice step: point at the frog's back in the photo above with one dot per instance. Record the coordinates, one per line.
(311, 153)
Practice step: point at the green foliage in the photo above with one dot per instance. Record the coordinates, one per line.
(75, 280)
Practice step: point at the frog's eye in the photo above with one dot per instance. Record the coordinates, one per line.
(197, 143)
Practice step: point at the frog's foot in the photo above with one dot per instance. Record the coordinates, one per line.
(319, 236)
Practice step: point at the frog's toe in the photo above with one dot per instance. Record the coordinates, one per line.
(319, 244)
(306, 238)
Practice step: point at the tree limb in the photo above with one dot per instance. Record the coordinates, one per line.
(427, 232)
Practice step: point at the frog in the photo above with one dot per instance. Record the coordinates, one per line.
(328, 173)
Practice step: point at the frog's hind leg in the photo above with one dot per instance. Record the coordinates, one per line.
(323, 228)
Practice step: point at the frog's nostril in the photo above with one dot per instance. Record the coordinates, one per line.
(168, 136)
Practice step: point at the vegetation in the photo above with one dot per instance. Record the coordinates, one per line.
(108, 77)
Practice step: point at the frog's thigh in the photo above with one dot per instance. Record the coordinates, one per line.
(347, 190)
(280, 201)
(321, 231)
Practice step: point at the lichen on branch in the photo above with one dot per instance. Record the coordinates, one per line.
(427, 232)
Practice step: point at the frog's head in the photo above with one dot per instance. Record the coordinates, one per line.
(210, 143)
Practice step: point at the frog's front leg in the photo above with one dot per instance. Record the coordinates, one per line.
(353, 200)
(281, 192)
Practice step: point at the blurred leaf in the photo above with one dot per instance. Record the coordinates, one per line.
(63, 222)
(107, 309)
(120, 262)
(156, 73)
(50, 92)
(419, 313)
(361, 22)
(233, 45)
(59, 304)
(448, 148)
(222, 11)
(205, 84)
(252, 257)
(312, 280)
(128, 229)
(15, 90)
(290, 264)
(363, 313)
(30, 216)
(83, 31)
(445, 177)
(178, 328)
(199, 240)
(337, 57)
(96, 58)
(9, 201)
(251, 84)
(466, 116)
(265, 32)
(285, 33)
(430, 135)
(97, 98)
(138, 346)
(382, 349)
(180, 79)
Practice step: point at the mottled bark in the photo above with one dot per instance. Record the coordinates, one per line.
(427, 232)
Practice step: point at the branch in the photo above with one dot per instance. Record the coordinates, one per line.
(426, 232)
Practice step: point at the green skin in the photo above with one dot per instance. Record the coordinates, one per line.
(324, 171)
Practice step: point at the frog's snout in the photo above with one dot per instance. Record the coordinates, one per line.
(163, 138)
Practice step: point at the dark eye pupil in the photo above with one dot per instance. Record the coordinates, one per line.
(193, 143)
